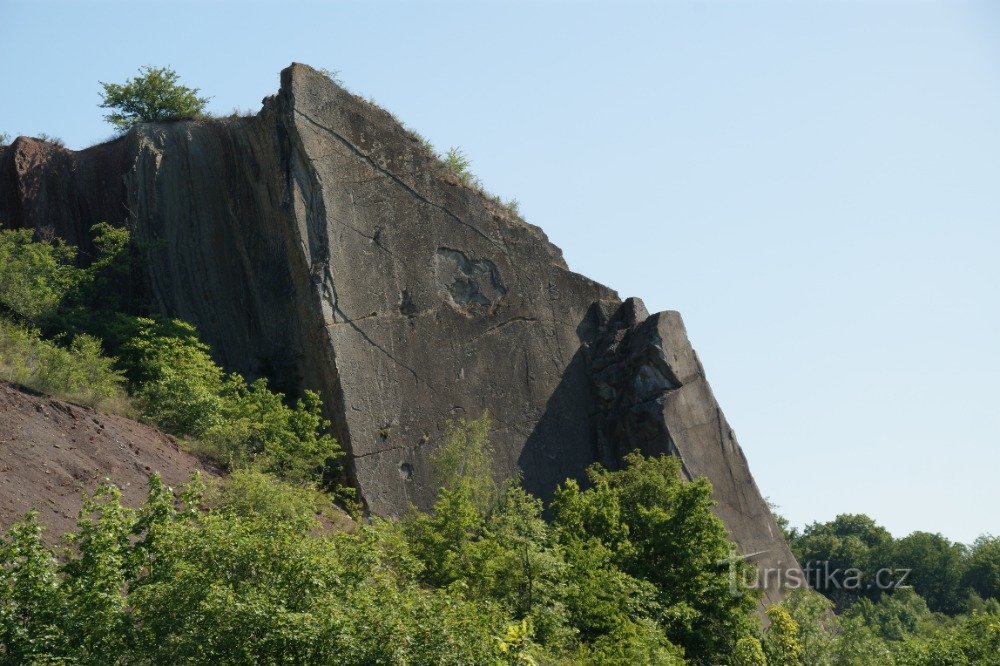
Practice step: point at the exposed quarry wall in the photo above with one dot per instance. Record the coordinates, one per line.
(317, 243)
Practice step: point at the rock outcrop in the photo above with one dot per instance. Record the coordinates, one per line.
(319, 244)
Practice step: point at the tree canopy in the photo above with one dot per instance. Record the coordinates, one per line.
(153, 96)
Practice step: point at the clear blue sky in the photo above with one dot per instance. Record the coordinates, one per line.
(814, 185)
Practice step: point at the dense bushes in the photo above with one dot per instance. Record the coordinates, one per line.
(948, 576)
(34, 277)
(59, 322)
(166, 586)
(256, 575)
(77, 371)
(898, 629)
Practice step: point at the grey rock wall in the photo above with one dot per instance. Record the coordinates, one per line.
(318, 244)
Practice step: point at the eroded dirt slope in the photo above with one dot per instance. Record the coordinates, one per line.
(51, 452)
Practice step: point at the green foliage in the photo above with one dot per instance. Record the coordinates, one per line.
(661, 529)
(937, 566)
(749, 652)
(167, 586)
(171, 375)
(178, 386)
(818, 626)
(248, 493)
(781, 641)
(78, 372)
(464, 461)
(950, 577)
(31, 597)
(640, 643)
(34, 276)
(258, 428)
(983, 569)
(851, 544)
(459, 164)
(175, 382)
(894, 616)
(153, 96)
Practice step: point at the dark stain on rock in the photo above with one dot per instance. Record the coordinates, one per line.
(469, 282)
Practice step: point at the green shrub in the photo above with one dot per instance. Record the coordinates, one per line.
(781, 641)
(162, 586)
(34, 276)
(662, 530)
(749, 652)
(464, 460)
(78, 372)
(175, 382)
(180, 388)
(459, 164)
(638, 643)
(247, 493)
(257, 428)
(152, 96)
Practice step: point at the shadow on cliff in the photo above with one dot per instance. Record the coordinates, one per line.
(564, 442)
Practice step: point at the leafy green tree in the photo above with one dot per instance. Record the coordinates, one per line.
(781, 641)
(893, 617)
(662, 529)
(96, 619)
(176, 382)
(937, 567)
(464, 460)
(32, 603)
(983, 570)
(256, 427)
(641, 643)
(860, 646)
(153, 96)
(819, 628)
(34, 276)
(852, 548)
(749, 652)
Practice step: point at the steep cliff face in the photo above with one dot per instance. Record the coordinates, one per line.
(317, 243)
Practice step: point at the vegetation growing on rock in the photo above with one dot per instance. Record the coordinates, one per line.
(152, 96)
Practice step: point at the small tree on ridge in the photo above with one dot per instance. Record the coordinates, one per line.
(152, 96)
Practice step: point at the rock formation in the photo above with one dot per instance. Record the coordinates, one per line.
(319, 244)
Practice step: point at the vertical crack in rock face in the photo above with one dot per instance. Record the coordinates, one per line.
(318, 244)
(469, 282)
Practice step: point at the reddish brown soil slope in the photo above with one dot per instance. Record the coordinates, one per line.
(51, 452)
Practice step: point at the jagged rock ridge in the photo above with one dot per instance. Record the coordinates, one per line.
(317, 243)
